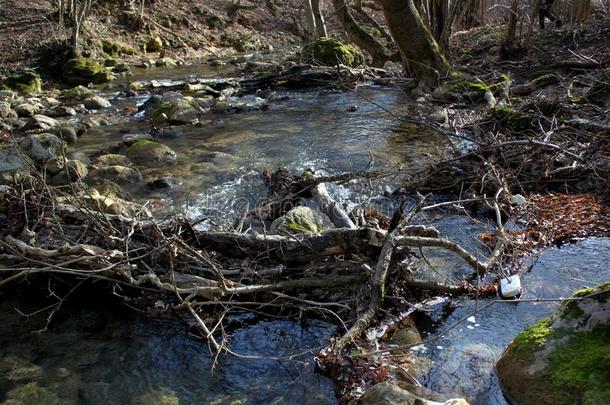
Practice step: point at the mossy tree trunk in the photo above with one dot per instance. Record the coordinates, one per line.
(359, 36)
(421, 55)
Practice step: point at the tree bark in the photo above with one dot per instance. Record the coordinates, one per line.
(359, 36)
(319, 19)
(422, 57)
(310, 20)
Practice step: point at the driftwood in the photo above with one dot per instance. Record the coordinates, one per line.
(330, 207)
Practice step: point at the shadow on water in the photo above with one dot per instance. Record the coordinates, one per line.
(95, 354)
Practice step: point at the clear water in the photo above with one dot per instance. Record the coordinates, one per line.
(463, 358)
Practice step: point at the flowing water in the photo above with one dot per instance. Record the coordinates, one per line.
(100, 355)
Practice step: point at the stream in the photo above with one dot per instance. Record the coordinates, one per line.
(101, 354)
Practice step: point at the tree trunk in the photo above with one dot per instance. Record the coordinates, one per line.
(359, 36)
(422, 57)
(319, 19)
(310, 20)
(581, 11)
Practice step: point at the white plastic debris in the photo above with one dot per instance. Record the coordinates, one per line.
(510, 287)
(470, 327)
(472, 319)
(518, 200)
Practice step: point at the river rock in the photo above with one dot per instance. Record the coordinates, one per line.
(562, 359)
(6, 112)
(164, 183)
(69, 131)
(178, 111)
(147, 152)
(12, 163)
(388, 394)
(121, 175)
(40, 123)
(96, 103)
(297, 220)
(73, 170)
(61, 111)
(112, 159)
(42, 147)
(166, 62)
(27, 109)
(26, 82)
(130, 139)
(77, 93)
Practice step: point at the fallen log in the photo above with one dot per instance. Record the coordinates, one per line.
(330, 207)
(296, 248)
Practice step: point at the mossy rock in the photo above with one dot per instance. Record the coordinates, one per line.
(116, 173)
(130, 50)
(84, 71)
(111, 62)
(77, 93)
(178, 111)
(148, 152)
(154, 44)
(515, 120)
(297, 220)
(42, 147)
(26, 82)
(111, 48)
(562, 359)
(329, 51)
(112, 159)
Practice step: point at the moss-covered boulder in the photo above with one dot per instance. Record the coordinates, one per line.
(329, 51)
(178, 111)
(297, 220)
(154, 44)
(111, 48)
(77, 93)
(42, 147)
(84, 71)
(146, 152)
(26, 82)
(562, 359)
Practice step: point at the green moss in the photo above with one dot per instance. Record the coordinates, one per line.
(27, 82)
(460, 84)
(504, 78)
(130, 50)
(111, 62)
(329, 51)
(546, 80)
(583, 292)
(84, 71)
(580, 368)
(142, 144)
(111, 48)
(533, 337)
(77, 93)
(515, 120)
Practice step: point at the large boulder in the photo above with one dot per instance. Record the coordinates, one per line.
(297, 220)
(84, 71)
(563, 359)
(147, 152)
(329, 51)
(178, 111)
(42, 147)
(121, 175)
(27, 109)
(154, 44)
(388, 394)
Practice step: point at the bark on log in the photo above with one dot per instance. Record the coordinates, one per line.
(298, 248)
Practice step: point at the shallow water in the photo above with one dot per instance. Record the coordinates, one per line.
(464, 357)
(94, 356)
(220, 163)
